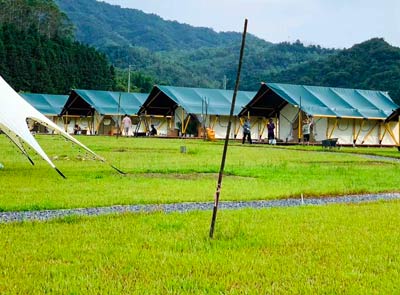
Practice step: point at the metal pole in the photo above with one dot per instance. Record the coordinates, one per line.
(224, 83)
(119, 106)
(300, 121)
(228, 131)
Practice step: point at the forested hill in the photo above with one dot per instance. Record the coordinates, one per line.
(179, 54)
(105, 25)
(373, 64)
(38, 53)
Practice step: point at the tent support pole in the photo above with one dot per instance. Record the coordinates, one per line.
(334, 127)
(391, 133)
(382, 136)
(264, 123)
(398, 126)
(186, 124)
(369, 133)
(241, 122)
(214, 122)
(278, 129)
(359, 131)
(161, 124)
(299, 130)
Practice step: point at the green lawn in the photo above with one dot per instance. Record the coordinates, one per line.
(336, 249)
(158, 173)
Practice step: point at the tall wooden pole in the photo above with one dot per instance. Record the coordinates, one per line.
(228, 131)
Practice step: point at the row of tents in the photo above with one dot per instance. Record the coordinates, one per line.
(353, 116)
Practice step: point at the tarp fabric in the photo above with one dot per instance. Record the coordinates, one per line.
(194, 100)
(104, 102)
(47, 104)
(326, 101)
(14, 112)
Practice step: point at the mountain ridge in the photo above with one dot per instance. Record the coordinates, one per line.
(179, 54)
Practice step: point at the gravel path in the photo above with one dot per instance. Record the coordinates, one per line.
(44, 215)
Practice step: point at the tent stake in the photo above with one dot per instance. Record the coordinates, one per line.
(59, 172)
(119, 171)
(228, 131)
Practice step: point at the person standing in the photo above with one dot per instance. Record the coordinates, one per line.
(271, 131)
(246, 131)
(306, 131)
(127, 123)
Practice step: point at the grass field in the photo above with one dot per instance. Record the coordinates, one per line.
(338, 249)
(158, 173)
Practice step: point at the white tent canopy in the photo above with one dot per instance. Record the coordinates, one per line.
(14, 111)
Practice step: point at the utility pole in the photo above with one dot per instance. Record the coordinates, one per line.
(224, 83)
(129, 78)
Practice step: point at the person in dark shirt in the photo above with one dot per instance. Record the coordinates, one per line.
(246, 131)
(153, 130)
(271, 131)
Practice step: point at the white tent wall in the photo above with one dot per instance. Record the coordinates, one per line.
(219, 124)
(368, 132)
(319, 129)
(287, 120)
(100, 124)
(58, 121)
(365, 131)
(388, 138)
(258, 129)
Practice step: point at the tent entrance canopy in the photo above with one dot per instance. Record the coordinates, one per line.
(77, 106)
(265, 103)
(87, 102)
(190, 106)
(96, 105)
(159, 103)
(164, 100)
(321, 101)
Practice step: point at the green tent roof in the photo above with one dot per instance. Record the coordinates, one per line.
(47, 104)
(163, 100)
(84, 102)
(322, 101)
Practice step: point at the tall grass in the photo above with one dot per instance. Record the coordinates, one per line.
(339, 249)
(157, 172)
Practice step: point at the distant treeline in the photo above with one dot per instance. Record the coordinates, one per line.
(38, 53)
(373, 64)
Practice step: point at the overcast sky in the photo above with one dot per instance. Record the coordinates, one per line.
(329, 23)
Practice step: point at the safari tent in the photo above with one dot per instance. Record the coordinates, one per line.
(14, 113)
(100, 112)
(187, 111)
(353, 116)
(49, 105)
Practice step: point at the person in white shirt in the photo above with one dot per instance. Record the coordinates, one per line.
(127, 123)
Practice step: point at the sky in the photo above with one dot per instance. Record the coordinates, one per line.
(329, 23)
